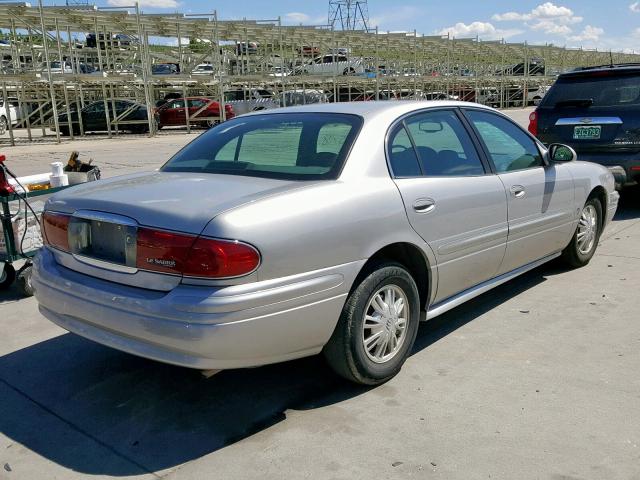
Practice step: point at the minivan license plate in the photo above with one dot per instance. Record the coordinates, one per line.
(587, 132)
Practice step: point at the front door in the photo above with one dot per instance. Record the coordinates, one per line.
(540, 196)
(451, 199)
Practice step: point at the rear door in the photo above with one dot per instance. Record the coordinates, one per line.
(540, 196)
(452, 199)
(594, 112)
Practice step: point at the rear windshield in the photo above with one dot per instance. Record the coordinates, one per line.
(296, 146)
(601, 91)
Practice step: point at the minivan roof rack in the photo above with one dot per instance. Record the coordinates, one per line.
(608, 65)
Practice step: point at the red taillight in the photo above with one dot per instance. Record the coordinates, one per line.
(162, 251)
(191, 256)
(533, 123)
(635, 169)
(55, 228)
(214, 258)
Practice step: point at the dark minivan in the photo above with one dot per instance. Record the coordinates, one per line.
(596, 110)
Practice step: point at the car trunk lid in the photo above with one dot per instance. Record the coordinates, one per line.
(108, 216)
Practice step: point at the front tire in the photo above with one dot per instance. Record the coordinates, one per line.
(377, 327)
(585, 239)
(4, 124)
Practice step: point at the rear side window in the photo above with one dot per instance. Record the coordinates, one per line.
(603, 91)
(443, 145)
(300, 146)
(402, 156)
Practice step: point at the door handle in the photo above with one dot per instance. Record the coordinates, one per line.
(424, 205)
(517, 191)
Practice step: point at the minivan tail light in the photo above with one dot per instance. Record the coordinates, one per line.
(191, 256)
(55, 227)
(533, 123)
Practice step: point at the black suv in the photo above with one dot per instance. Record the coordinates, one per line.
(596, 110)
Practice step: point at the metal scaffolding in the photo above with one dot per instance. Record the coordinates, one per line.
(57, 60)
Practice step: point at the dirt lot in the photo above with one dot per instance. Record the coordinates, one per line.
(537, 379)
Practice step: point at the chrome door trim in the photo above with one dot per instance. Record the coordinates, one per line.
(589, 121)
(485, 237)
(452, 302)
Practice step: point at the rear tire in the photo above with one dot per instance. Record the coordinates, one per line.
(585, 240)
(24, 282)
(368, 346)
(7, 277)
(3, 125)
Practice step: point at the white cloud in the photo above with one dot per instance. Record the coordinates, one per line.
(547, 17)
(297, 17)
(635, 7)
(145, 3)
(551, 28)
(485, 30)
(588, 34)
(300, 18)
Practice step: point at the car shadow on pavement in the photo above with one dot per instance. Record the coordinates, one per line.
(102, 412)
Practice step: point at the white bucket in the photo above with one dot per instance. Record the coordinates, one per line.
(56, 169)
(59, 180)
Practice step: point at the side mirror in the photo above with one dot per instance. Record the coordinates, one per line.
(562, 153)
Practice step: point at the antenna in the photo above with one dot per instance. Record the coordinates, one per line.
(349, 14)
(611, 58)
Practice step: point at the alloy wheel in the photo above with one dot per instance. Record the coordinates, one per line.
(385, 323)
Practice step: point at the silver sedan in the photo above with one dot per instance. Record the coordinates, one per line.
(328, 228)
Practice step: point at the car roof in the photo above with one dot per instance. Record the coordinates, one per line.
(624, 68)
(372, 108)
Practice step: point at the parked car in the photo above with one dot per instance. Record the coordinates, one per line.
(279, 72)
(290, 98)
(308, 51)
(203, 69)
(57, 67)
(250, 100)
(596, 111)
(247, 48)
(489, 96)
(10, 109)
(203, 111)
(535, 93)
(130, 115)
(325, 228)
(165, 69)
(327, 65)
(536, 68)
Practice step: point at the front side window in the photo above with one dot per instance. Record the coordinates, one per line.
(508, 145)
(443, 145)
(300, 146)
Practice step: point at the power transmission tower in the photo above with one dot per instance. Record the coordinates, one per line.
(349, 14)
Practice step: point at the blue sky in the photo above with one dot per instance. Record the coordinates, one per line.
(603, 24)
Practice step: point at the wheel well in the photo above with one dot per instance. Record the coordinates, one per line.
(412, 258)
(601, 194)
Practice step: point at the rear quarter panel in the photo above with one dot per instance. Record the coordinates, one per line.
(327, 224)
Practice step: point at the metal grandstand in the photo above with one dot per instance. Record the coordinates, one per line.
(48, 52)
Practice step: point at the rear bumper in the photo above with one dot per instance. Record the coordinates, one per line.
(198, 327)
